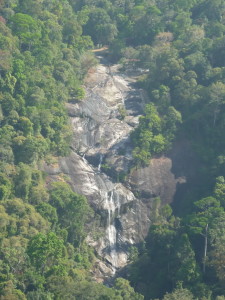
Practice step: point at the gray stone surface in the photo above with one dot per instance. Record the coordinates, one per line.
(156, 180)
(101, 136)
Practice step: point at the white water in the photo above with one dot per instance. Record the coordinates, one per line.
(118, 204)
(96, 120)
(100, 162)
(113, 206)
(84, 159)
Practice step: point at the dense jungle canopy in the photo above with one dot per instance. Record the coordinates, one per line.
(45, 54)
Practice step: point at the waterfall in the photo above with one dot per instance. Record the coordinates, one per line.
(118, 204)
(84, 159)
(100, 162)
(98, 132)
(113, 206)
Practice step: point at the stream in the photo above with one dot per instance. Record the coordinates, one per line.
(100, 133)
(101, 151)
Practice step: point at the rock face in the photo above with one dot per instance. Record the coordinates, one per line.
(156, 180)
(102, 123)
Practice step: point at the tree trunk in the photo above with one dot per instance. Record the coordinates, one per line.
(205, 247)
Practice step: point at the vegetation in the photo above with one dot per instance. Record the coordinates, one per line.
(44, 56)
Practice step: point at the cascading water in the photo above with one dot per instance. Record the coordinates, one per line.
(98, 133)
(118, 204)
(121, 219)
(111, 229)
(84, 159)
(100, 163)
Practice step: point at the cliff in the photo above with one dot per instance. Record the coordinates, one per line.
(101, 152)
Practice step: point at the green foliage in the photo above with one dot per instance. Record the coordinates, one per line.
(133, 254)
(187, 272)
(126, 291)
(45, 251)
(77, 94)
(48, 212)
(219, 190)
(179, 294)
(168, 257)
(178, 46)
(72, 210)
(122, 112)
(154, 134)
(43, 60)
(68, 288)
(5, 187)
(104, 30)
(26, 28)
(9, 292)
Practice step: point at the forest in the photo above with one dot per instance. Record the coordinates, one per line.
(45, 54)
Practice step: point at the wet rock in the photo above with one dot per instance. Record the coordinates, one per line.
(118, 203)
(102, 155)
(100, 135)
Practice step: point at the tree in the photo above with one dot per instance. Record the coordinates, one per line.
(217, 99)
(179, 293)
(13, 253)
(185, 267)
(30, 149)
(154, 134)
(48, 212)
(181, 22)
(155, 269)
(8, 103)
(27, 29)
(63, 71)
(36, 97)
(67, 287)
(22, 181)
(219, 190)
(10, 293)
(106, 33)
(146, 23)
(52, 27)
(126, 291)
(71, 30)
(25, 125)
(45, 251)
(171, 121)
(72, 209)
(216, 255)
(100, 27)
(186, 93)
(5, 61)
(162, 98)
(208, 210)
(38, 194)
(5, 187)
